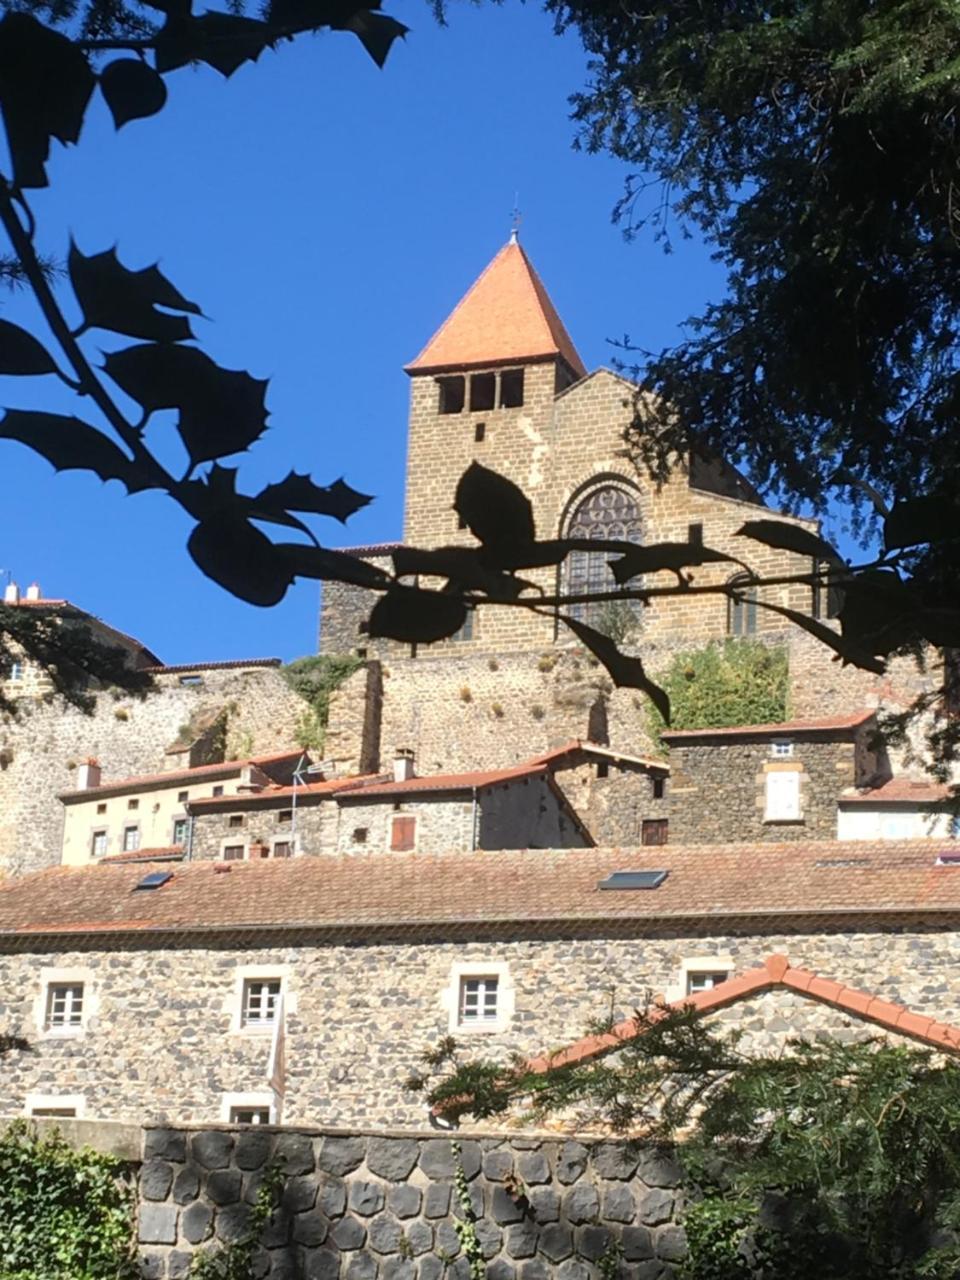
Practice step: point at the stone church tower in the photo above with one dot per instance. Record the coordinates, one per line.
(501, 382)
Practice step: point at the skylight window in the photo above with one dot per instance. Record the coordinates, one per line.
(633, 880)
(155, 880)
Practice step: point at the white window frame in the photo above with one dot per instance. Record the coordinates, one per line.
(789, 813)
(35, 1102)
(255, 1101)
(690, 965)
(16, 671)
(235, 1002)
(73, 977)
(95, 835)
(781, 749)
(464, 971)
(134, 848)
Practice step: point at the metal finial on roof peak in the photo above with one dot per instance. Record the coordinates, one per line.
(516, 219)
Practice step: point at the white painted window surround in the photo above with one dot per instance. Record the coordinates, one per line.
(50, 995)
(452, 998)
(691, 967)
(68, 1105)
(234, 1004)
(782, 795)
(232, 1103)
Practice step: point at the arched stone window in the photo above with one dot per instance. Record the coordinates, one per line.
(609, 513)
(742, 610)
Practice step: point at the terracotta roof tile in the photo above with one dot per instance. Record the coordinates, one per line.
(450, 781)
(175, 776)
(328, 787)
(168, 853)
(506, 315)
(225, 665)
(827, 724)
(900, 791)
(525, 889)
(575, 745)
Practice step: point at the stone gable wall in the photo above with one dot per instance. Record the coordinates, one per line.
(162, 1041)
(381, 1206)
(128, 736)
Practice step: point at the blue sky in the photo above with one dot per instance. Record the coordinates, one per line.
(326, 216)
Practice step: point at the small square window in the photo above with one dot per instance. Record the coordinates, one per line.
(235, 820)
(452, 394)
(782, 749)
(511, 389)
(260, 999)
(285, 816)
(98, 844)
(483, 391)
(180, 827)
(101, 808)
(182, 797)
(360, 835)
(233, 853)
(193, 679)
(217, 791)
(133, 804)
(64, 1006)
(249, 1115)
(603, 769)
(478, 1000)
(653, 831)
(131, 839)
(703, 980)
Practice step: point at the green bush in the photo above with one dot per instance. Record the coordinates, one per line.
(315, 678)
(65, 1214)
(737, 682)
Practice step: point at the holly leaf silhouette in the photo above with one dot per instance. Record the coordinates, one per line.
(299, 493)
(626, 673)
(375, 31)
(239, 557)
(113, 297)
(495, 510)
(45, 85)
(664, 555)
(222, 411)
(462, 565)
(224, 41)
(21, 353)
(845, 648)
(928, 518)
(787, 537)
(416, 616)
(132, 90)
(69, 444)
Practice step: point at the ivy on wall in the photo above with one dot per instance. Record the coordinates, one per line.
(737, 682)
(66, 1214)
(315, 678)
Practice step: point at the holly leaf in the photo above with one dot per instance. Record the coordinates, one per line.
(299, 493)
(416, 616)
(787, 537)
(375, 31)
(113, 297)
(132, 90)
(333, 566)
(495, 510)
(849, 651)
(663, 555)
(222, 411)
(928, 518)
(224, 41)
(21, 353)
(71, 445)
(45, 85)
(626, 673)
(242, 559)
(879, 611)
(462, 565)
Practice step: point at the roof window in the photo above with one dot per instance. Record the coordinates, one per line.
(948, 858)
(633, 880)
(155, 880)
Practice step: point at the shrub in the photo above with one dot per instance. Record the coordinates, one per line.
(465, 694)
(496, 710)
(546, 662)
(66, 1214)
(315, 678)
(737, 682)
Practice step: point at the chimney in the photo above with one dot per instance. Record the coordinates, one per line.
(403, 765)
(11, 594)
(33, 591)
(88, 775)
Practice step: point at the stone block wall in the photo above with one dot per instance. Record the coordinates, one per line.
(381, 1206)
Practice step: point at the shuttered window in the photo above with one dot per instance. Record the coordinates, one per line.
(783, 796)
(403, 833)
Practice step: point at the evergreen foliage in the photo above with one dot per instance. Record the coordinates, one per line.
(315, 678)
(737, 682)
(65, 1214)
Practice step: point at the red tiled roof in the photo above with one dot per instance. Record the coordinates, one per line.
(225, 665)
(525, 890)
(775, 972)
(169, 853)
(177, 776)
(899, 791)
(328, 787)
(829, 724)
(594, 749)
(453, 781)
(506, 315)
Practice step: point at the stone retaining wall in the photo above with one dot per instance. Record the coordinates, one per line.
(381, 1206)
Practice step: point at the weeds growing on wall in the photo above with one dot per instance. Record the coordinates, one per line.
(315, 678)
(64, 1214)
(236, 1261)
(737, 682)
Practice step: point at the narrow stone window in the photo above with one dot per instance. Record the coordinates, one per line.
(603, 769)
(695, 534)
(511, 389)
(742, 608)
(658, 788)
(479, 432)
(452, 392)
(483, 391)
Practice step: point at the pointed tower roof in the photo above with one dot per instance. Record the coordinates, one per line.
(506, 316)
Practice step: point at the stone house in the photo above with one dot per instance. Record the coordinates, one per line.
(516, 808)
(150, 813)
(898, 809)
(165, 995)
(776, 782)
(621, 798)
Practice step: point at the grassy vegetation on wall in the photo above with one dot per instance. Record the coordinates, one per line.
(736, 682)
(315, 678)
